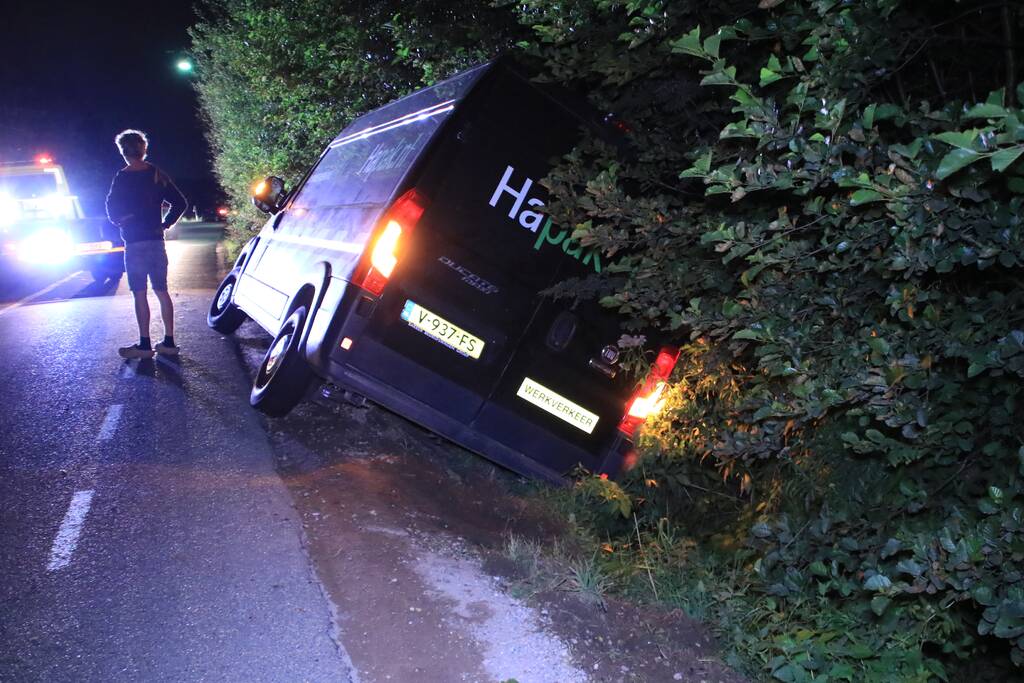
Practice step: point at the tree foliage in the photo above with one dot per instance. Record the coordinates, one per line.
(277, 81)
(825, 210)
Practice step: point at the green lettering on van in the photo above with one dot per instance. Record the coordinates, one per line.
(568, 246)
(545, 235)
(572, 248)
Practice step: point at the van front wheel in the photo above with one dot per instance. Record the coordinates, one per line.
(284, 375)
(224, 316)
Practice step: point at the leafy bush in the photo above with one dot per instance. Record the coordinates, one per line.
(824, 208)
(277, 81)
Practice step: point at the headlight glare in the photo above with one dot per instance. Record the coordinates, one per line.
(49, 245)
(9, 210)
(56, 206)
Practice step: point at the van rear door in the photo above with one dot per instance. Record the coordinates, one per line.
(557, 400)
(459, 301)
(461, 326)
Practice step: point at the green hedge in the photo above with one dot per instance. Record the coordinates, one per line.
(824, 208)
(277, 81)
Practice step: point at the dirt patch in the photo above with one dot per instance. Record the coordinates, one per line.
(410, 537)
(392, 526)
(626, 642)
(420, 475)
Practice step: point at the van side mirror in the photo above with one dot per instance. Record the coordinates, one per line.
(269, 195)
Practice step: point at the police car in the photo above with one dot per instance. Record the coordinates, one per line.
(42, 223)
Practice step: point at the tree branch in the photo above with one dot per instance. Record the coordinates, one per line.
(937, 77)
(1009, 23)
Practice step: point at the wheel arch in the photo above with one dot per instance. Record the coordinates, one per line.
(242, 260)
(310, 294)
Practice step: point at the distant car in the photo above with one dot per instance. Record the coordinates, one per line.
(42, 224)
(408, 266)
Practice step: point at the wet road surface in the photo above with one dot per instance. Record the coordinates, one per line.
(144, 534)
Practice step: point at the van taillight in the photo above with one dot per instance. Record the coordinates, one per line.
(647, 400)
(399, 220)
(385, 249)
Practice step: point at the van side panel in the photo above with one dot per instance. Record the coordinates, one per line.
(307, 235)
(333, 214)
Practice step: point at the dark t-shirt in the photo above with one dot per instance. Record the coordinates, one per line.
(135, 203)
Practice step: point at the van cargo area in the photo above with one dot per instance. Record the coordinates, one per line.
(409, 267)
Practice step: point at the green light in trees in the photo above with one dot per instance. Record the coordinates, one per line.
(184, 65)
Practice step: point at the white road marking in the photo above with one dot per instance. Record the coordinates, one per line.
(110, 422)
(41, 292)
(70, 529)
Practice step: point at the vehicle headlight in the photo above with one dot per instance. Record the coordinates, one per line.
(49, 245)
(10, 211)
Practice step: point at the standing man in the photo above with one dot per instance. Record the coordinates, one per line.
(135, 205)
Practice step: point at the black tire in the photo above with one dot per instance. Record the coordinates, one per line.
(284, 376)
(224, 316)
(107, 267)
(104, 274)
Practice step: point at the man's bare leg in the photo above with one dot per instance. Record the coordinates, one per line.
(166, 311)
(142, 312)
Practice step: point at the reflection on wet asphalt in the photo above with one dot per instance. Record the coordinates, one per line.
(145, 533)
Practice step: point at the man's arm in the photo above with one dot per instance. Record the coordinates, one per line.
(173, 196)
(115, 204)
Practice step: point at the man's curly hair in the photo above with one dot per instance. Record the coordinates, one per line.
(132, 143)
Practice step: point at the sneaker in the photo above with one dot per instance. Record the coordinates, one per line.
(134, 351)
(166, 350)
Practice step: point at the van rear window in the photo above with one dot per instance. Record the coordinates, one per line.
(368, 160)
(365, 170)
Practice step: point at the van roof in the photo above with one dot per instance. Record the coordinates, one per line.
(415, 106)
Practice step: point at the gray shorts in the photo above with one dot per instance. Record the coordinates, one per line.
(146, 259)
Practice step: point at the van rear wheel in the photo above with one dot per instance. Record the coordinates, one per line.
(224, 316)
(284, 375)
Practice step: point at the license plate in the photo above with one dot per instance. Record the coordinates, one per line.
(556, 404)
(95, 246)
(439, 329)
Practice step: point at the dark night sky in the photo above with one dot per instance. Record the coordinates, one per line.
(73, 74)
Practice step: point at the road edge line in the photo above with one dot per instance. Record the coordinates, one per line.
(44, 290)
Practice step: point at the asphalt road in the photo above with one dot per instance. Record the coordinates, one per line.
(144, 533)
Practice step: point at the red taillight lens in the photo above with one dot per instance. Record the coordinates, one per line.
(646, 400)
(384, 255)
(400, 219)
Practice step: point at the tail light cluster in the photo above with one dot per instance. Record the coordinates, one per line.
(647, 399)
(396, 226)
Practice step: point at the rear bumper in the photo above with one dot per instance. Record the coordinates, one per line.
(465, 435)
(91, 251)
